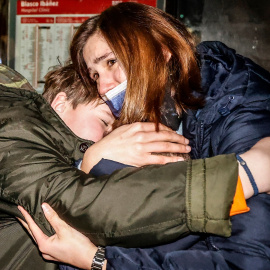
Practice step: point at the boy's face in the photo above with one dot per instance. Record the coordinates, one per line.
(89, 121)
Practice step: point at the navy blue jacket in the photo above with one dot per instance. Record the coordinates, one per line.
(236, 115)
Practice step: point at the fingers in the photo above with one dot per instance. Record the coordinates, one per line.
(152, 126)
(56, 222)
(48, 257)
(25, 225)
(160, 159)
(144, 133)
(142, 126)
(32, 227)
(163, 147)
(166, 136)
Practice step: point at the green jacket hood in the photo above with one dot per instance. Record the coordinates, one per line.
(11, 78)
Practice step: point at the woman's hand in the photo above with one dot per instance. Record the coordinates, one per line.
(258, 161)
(135, 144)
(66, 245)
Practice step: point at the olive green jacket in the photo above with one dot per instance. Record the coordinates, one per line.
(133, 207)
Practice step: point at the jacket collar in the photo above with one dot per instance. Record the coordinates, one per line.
(70, 143)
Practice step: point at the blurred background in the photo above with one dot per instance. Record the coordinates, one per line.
(35, 35)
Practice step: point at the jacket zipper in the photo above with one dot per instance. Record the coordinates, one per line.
(201, 137)
(224, 110)
(210, 243)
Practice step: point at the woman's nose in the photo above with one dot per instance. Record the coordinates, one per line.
(104, 85)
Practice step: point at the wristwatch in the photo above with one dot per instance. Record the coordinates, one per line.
(98, 259)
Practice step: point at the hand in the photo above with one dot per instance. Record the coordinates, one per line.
(258, 161)
(135, 144)
(66, 245)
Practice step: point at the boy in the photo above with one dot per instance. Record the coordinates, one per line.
(86, 115)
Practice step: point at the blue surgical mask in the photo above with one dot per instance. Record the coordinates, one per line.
(115, 98)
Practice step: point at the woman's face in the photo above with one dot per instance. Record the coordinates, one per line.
(102, 64)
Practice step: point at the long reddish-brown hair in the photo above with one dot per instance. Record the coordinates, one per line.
(156, 52)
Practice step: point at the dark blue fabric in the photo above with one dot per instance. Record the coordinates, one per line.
(105, 166)
(77, 163)
(171, 259)
(67, 267)
(235, 117)
(226, 74)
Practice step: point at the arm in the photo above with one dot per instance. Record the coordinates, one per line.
(258, 160)
(244, 127)
(259, 154)
(71, 247)
(127, 213)
(114, 207)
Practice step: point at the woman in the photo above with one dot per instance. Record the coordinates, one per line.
(222, 98)
(135, 52)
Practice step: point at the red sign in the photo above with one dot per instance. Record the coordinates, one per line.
(71, 19)
(37, 20)
(33, 7)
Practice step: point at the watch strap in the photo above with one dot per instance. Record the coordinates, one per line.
(99, 259)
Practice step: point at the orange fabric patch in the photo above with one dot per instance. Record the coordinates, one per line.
(239, 205)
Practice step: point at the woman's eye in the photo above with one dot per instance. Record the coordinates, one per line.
(111, 62)
(94, 76)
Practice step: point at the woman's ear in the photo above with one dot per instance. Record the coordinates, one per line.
(167, 55)
(59, 103)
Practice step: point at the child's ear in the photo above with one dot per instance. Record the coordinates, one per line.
(59, 103)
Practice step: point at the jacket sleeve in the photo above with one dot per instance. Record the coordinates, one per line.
(131, 207)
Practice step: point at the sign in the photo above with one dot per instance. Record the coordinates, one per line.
(44, 30)
(70, 6)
